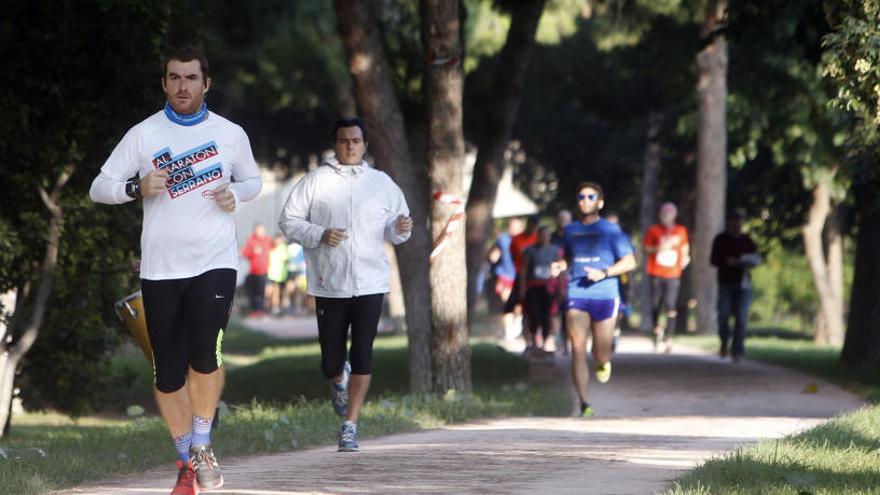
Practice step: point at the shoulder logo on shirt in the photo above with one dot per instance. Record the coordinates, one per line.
(182, 176)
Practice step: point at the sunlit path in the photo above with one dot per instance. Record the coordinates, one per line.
(659, 415)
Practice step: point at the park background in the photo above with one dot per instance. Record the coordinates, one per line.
(771, 106)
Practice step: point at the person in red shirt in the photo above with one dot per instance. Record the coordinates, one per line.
(256, 250)
(668, 253)
(518, 245)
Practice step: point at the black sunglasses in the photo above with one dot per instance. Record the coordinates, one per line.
(591, 197)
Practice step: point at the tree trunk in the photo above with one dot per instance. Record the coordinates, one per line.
(11, 353)
(711, 160)
(648, 211)
(834, 260)
(831, 321)
(443, 85)
(861, 349)
(374, 92)
(496, 133)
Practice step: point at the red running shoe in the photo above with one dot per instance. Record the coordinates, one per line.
(186, 480)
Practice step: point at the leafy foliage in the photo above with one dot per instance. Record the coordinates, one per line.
(77, 76)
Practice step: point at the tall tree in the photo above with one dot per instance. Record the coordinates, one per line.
(497, 128)
(59, 257)
(853, 64)
(443, 86)
(711, 158)
(378, 103)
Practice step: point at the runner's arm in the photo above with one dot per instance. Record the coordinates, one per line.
(294, 221)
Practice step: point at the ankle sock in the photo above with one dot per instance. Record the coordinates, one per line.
(201, 431)
(182, 445)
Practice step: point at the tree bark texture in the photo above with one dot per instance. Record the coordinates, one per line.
(861, 349)
(834, 261)
(831, 320)
(648, 211)
(12, 352)
(496, 132)
(376, 97)
(443, 86)
(711, 160)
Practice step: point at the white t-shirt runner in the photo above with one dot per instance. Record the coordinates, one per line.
(185, 233)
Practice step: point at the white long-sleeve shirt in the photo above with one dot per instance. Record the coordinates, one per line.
(365, 203)
(185, 233)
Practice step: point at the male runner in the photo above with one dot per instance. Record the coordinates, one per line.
(342, 213)
(596, 253)
(192, 168)
(667, 252)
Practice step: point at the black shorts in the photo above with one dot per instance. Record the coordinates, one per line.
(186, 318)
(335, 316)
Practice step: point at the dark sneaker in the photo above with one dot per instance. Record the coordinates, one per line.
(206, 468)
(186, 480)
(339, 392)
(348, 438)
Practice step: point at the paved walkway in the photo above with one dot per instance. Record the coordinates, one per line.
(659, 415)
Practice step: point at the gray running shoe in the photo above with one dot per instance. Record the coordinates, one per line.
(348, 438)
(206, 467)
(339, 392)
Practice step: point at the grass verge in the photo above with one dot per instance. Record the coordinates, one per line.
(278, 403)
(841, 456)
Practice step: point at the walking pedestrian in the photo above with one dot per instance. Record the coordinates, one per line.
(735, 254)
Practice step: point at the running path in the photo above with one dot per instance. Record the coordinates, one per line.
(659, 415)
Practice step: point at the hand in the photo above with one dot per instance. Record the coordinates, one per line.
(595, 275)
(557, 267)
(403, 224)
(153, 184)
(332, 237)
(224, 198)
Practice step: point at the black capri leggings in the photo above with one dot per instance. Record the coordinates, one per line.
(335, 315)
(185, 321)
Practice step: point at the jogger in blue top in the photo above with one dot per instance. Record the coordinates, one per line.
(596, 253)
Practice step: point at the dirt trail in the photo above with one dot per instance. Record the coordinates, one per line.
(659, 415)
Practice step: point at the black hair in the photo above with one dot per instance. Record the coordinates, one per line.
(186, 54)
(349, 122)
(592, 185)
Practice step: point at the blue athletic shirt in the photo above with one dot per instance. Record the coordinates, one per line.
(505, 267)
(597, 245)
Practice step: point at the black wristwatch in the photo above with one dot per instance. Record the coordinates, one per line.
(133, 187)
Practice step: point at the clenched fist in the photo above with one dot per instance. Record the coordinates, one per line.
(332, 237)
(153, 184)
(224, 198)
(403, 224)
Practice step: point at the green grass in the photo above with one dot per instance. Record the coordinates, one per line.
(839, 457)
(278, 402)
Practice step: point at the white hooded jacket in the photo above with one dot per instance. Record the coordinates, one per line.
(358, 199)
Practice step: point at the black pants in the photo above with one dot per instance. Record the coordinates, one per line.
(539, 304)
(664, 296)
(185, 321)
(256, 290)
(335, 316)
